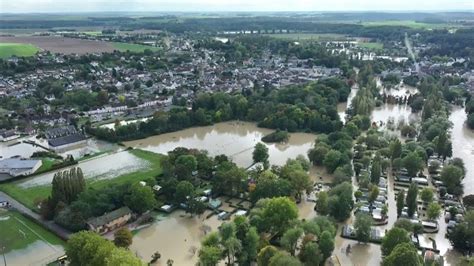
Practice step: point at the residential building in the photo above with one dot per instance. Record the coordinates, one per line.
(19, 167)
(110, 221)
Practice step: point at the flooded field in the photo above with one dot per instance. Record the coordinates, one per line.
(123, 123)
(37, 253)
(102, 167)
(234, 139)
(463, 146)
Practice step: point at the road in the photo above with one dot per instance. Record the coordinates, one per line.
(50, 225)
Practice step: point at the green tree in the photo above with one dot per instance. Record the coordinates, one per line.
(209, 255)
(121, 256)
(260, 154)
(400, 202)
(394, 237)
(284, 259)
(462, 236)
(123, 238)
(362, 227)
(340, 201)
(326, 244)
(433, 211)
(413, 163)
(395, 149)
(332, 160)
(411, 199)
(375, 171)
(403, 254)
(322, 203)
(290, 239)
(317, 154)
(274, 215)
(140, 199)
(265, 254)
(373, 194)
(184, 166)
(184, 190)
(427, 194)
(310, 254)
(300, 182)
(452, 177)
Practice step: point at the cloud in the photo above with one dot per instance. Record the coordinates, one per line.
(229, 5)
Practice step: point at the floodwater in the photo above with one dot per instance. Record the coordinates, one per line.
(463, 146)
(124, 122)
(235, 139)
(101, 167)
(37, 253)
(16, 147)
(177, 237)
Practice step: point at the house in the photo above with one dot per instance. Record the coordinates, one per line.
(19, 167)
(110, 221)
(7, 135)
(64, 137)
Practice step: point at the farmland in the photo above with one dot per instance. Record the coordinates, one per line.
(132, 47)
(17, 49)
(61, 44)
(409, 23)
(371, 45)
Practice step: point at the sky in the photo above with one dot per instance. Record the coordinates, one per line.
(32, 6)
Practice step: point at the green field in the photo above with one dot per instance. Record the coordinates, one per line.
(18, 49)
(308, 36)
(137, 48)
(32, 195)
(371, 45)
(409, 23)
(17, 232)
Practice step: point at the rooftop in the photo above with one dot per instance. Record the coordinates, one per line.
(17, 163)
(109, 217)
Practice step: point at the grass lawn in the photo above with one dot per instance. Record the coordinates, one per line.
(17, 49)
(132, 47)
(47, 164)
(17, 232)
(308, 36)
(371, 45)
(32, 195)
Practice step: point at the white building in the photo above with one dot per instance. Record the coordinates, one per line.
(17, 167)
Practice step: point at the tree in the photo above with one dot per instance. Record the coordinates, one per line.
(310, 254)
(317, 154)
(195, 206)
(184, 166)
(275, 215)
(375, 171)
(411, 200)
(362, 227)
(260, 154)
(209, 255)
(400, 202)
(373, 194)
(395, 149)
(322, 204)
(332, 160)
(283, 259)
(452, 176)
(140, 199)
(184, 191)
(290, 239)
(326, 244)
(123, 238)
(340, 201)
(67, 185)
(433, 211)
(265, 254)
(403, 254)
(462, 236)
(427, 194)
(300, 182)
(121, 256)
(394, 237)
(89, 248)
(413, 163)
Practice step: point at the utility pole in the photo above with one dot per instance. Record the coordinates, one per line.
(3, 253)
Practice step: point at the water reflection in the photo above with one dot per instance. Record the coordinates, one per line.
(234, 139)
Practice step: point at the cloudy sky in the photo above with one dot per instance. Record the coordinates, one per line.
(22, 6)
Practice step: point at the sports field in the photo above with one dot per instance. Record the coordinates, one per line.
(17, 49)
(19, 235)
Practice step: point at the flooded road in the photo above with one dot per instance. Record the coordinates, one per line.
(101, 167)
(463, 146)
(235, 139)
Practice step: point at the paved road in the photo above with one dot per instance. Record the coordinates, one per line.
(58, 230)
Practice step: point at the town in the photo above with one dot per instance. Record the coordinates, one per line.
(234, 140)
